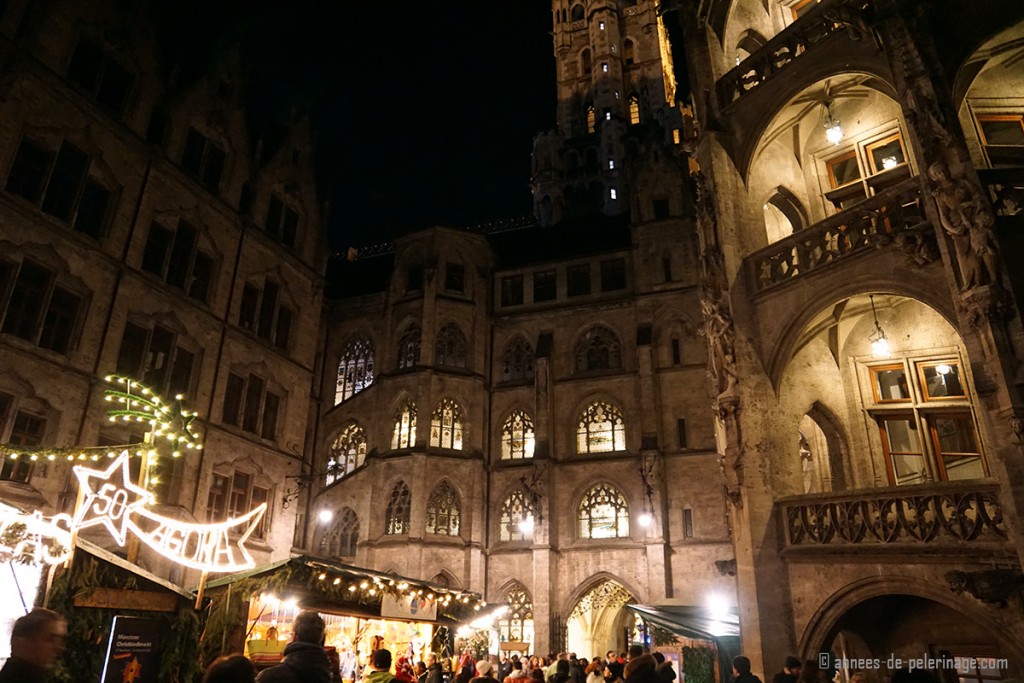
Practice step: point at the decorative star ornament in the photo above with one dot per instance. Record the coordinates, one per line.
(108, 502)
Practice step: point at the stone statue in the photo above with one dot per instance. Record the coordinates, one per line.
(992, 586)
(718, 329)
(967, 219)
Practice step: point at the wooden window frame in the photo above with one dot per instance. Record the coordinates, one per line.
(870, 146)
(876, 394)
(939, 454)
(979, 117)
(910, 415)
(952, 362)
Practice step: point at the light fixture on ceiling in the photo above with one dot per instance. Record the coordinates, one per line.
(833, 131)
(879, 342)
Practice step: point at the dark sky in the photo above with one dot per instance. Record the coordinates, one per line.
(425, 112)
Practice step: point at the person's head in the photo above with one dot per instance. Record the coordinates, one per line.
(230, 669)
(420, 667)
(516, 664)
(562, 667)
(658, 657)
(309, 628)
(741, 665)
(792, 666)
(537, 674)
(381, 660)
(38, 638)
(635, 651)
(596, 660)
(484, 668)
(610, 655)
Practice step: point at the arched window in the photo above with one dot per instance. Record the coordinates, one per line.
(446, 426)
(604, 513)
(585, 62)
(628, 52)
(577, 13)
(517, 361)
(591, 119)
(405, 427)
(516, 625)
(516, 520)
(451, 347)
(355, 371)
(341, 539)
(598, 349)
(634, 110)
(346, 453)
(409, 348)
(600, 429)
(396, 520)
(517, 440)
(443, 511)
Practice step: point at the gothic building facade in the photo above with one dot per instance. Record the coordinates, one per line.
(144, 232)
(859, 223)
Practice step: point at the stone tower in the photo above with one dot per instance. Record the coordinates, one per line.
(616, 96)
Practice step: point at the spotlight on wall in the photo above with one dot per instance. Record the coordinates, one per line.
(526, 525)
(879, 342)
(645, 519)
(833, 131)
(325, 516)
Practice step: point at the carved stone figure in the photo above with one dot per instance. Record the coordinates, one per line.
(718, 329)
(967, 219)
(993, 586)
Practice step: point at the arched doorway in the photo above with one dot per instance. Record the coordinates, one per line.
(598, 620)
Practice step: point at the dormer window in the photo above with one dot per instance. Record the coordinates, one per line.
(282, 222)
(203, 159)
(102, 78)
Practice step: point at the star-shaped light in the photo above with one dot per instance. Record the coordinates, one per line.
(110, 503)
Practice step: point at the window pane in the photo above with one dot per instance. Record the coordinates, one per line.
(1002, 130)
(133, 349)
(578, 280)
(247, 310)
(942, 380)
(24, 310)
(233, 399)
(271, 407)
(891, 384)
(268, 303)
(843, 170)
(887, 155)
(214, 166)
(955, 434)
(28, 173)
(273, 223)
(909, 469)
(284, 328)
(512, 290)
(290, 228)
(192, 157)
(253, 399)
(455, 277)
(181, 373)
(59, 323)
(181, 255)
(158, 245)
(65, 180)
(114, 87)
(202, 277)
(902, 435)
(161, 346)
(217, 502)
(92, 209)
(259, 496)
(544, 286)
(85, 65)
(613, 275)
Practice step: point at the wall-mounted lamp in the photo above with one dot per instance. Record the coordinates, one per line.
(646, 517)
(833, 131)
(879, 342)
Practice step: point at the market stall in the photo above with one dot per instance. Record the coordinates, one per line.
(364, 610)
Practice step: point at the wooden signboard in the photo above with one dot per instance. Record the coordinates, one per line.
(142, 601)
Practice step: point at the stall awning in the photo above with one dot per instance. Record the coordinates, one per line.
(689, 621)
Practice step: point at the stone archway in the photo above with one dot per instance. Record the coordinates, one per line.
(598, 620)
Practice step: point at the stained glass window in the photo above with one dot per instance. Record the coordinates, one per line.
(516, 625)
(598, 349)
(446, 426)
(404, 435)
(443, 511)
(601, 429)
(355, 371)
(346, 453)
(451, 347)
(396, 521)
(340, 540)
(517, 361)
(515, 511)
(409, 348)
(517, 440)
(603, 513)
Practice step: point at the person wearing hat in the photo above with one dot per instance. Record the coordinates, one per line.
(484, 672)
(790, 671)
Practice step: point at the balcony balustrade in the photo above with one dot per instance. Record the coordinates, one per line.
(964, 514)
(796, 41)
(893, 216)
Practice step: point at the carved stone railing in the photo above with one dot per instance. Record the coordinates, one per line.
(950, 513)
(893, 216)
(1005, 187)
(796, 41)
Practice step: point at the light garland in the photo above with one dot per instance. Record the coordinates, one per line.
(34, 538)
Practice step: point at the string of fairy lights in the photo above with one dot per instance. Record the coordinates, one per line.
(168, 424)
(368, 587)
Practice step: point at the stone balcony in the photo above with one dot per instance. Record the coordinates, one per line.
(892, 217)
(947, 519)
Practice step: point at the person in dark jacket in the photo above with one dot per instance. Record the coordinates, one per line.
(435, 672)
(37, 641)
(305, 660)
(741, 671)
(230, 669)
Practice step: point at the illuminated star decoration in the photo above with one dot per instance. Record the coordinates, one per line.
(138, 403)
(111, 504)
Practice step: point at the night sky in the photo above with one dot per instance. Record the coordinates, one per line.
(424, 112)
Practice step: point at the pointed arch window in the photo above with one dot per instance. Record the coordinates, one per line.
(628, 52)
(516, 625)
(517, 437)
(591, 119)
(355, 370)
(404, 435)
(634, 110)
(577, 12)
(346, 453)
(409, 348)
(585, 63)
(514, 512)
(517, 361)
(396, 520)
(341, 539)
(598, 349)
(601, 429)
(451, 346)
(443, 512)
(603, 513)
(446, 426)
